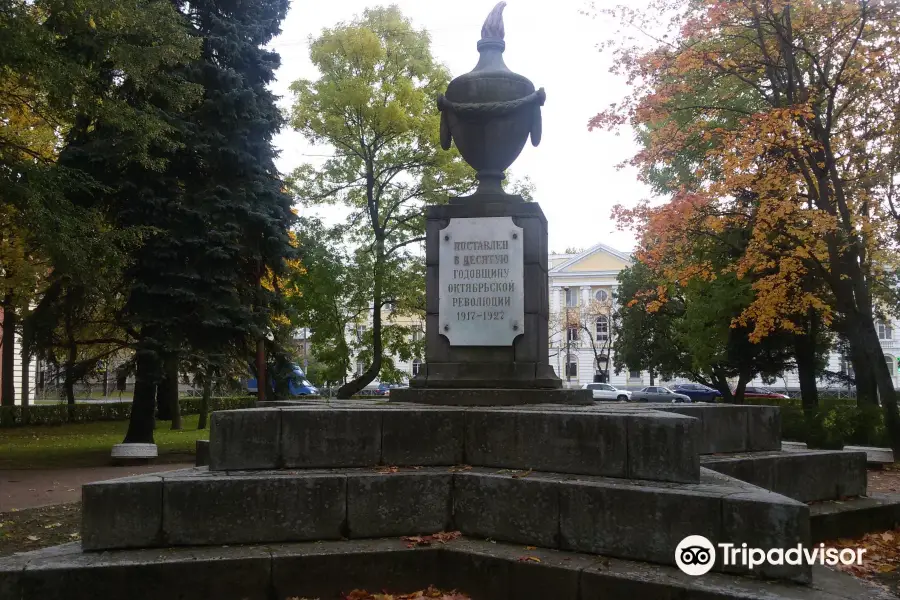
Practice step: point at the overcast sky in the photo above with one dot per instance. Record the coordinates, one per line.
(549, 42)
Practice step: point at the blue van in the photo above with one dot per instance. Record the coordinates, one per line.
(298, 385)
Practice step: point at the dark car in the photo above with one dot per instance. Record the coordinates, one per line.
(384, 389)
(697, 392)
(761, 392)
(658, 393)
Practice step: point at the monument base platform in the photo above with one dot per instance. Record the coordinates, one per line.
(491, 397)
(479, 568)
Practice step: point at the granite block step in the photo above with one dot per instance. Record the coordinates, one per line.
(632, 519)
(642, 444)
(732, 427)
(804, 475)
(326, 570)
(875, 457)
(853, 517)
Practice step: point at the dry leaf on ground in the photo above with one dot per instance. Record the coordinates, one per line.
(426, 540)
(529, 559)
(432, 593)
(882, 553)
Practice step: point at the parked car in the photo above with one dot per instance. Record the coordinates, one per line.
(605, 391)
(384, 389)
(697, 392)
(658, 393)
(761, 392)
(297, 383)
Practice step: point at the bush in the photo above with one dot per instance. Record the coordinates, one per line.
(59, 414)
(836, 422)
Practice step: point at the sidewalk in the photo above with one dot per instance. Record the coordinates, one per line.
(20, 489)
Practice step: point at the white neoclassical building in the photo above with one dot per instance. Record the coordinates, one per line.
(583, 286)
(586, 283)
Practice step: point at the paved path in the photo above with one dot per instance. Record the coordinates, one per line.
(42, 487)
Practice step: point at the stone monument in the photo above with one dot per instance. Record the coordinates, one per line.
(487, 313)
(311, 499)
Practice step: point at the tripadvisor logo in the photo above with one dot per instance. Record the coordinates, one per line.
(696, 555)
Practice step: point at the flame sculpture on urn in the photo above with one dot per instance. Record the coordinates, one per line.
(490, 111)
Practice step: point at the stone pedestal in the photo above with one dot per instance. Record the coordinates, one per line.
(514, 368)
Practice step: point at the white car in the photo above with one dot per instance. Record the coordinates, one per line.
(604, 391)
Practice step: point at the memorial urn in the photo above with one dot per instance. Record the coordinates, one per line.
(490, 111)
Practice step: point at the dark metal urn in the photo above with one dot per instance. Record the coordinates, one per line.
(490, 111)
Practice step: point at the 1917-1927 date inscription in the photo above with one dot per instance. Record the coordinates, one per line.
(481, 281)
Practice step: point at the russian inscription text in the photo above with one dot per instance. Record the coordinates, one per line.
(481, 278)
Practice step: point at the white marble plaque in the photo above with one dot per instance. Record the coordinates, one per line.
(481, 280)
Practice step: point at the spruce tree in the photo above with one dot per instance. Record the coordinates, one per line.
(226, 218)
(209, 204)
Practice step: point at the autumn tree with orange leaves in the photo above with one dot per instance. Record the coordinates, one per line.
(778, 118)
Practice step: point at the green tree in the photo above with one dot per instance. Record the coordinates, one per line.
(330, 298)
(692, 334)
(69, 66)
(816, 153)
(199, 285)
(373, 104)
(645, 340)
(209, 201)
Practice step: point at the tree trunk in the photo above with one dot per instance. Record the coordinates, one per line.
(356, 385)
(866, 337)
(652, 377)
(743, 380)
(7, 354)
(163, 398)
(805, 355)
(147, 376)
(864, 377)
(69, 376)
(721, 384)
(69, 385)
(106, 378)
(26, 365)
(261, 379)
(204, 400)
(170, 382)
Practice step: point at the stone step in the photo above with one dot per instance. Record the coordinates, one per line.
(201, 453)
(874, 456)
(325, 570)
(723, 427)
(642, 444)
(633, 519)
(732, 427)
(854, 517)
(804, 475)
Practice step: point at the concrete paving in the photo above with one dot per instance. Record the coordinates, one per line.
(21, 489)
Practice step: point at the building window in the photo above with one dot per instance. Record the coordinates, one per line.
(634, 374)
(417, 335)
(571, 297)
(572, 369)
(885, 332)
(360, 367)
(416, 367)
(572, 333)
(847, 367)
(602, 328)
(390, 306)
(601, 295)
(360, 332)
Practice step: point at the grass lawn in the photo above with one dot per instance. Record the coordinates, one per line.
(89, 444)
